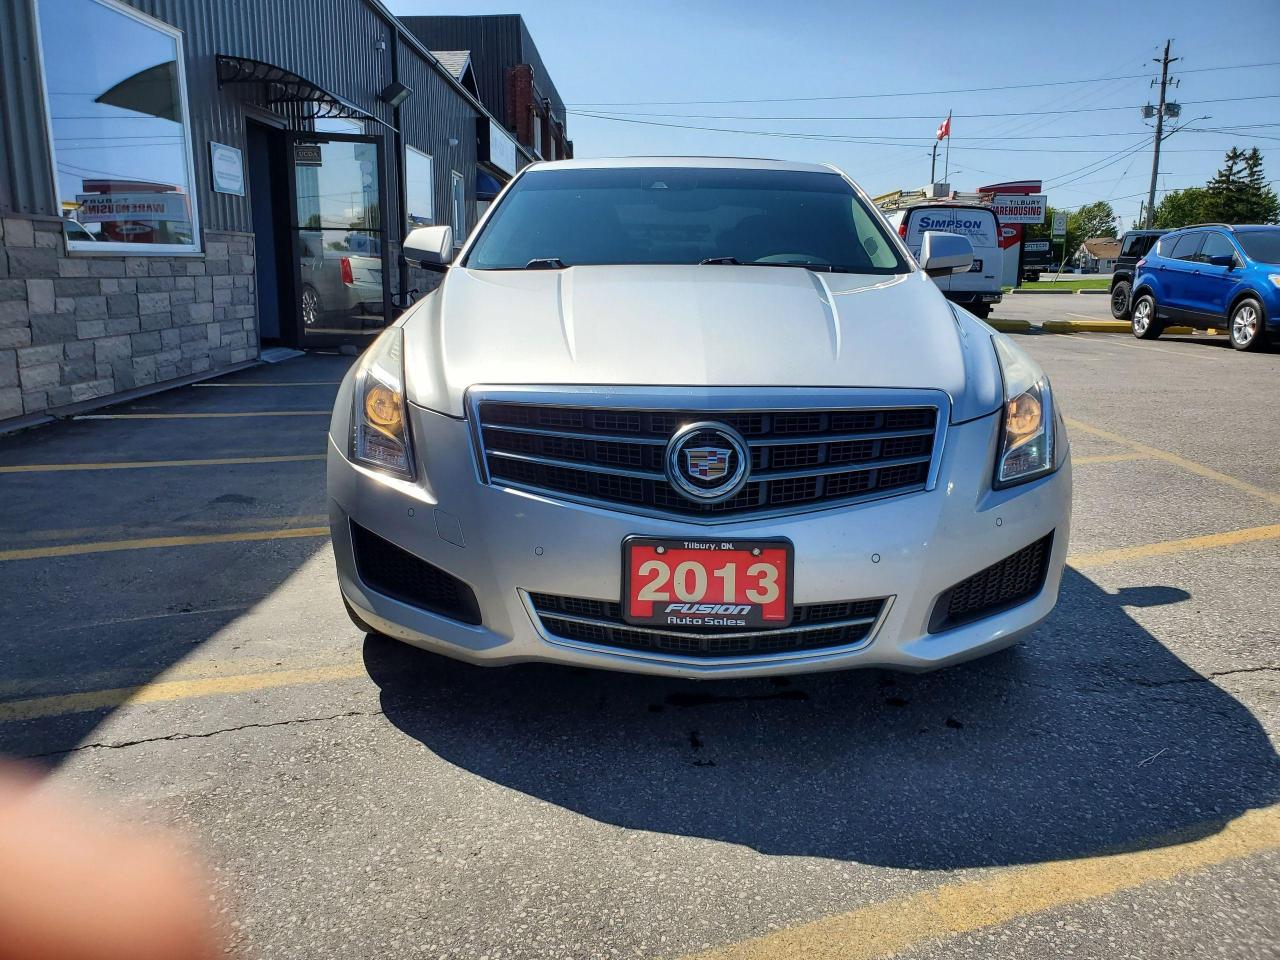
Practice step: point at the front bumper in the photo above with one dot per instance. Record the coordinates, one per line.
(963, 297)
(508, 544)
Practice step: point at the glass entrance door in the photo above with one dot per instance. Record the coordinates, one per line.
(339, 239)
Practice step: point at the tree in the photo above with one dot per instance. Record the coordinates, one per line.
(1265, 205)
(1238, 192)
(1182, 207)
(1092, 220)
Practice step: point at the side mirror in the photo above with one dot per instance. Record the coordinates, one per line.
(430, 248)
(942, 254)
(1226, 260)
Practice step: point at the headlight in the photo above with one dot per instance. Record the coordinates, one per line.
(379, 420)
(1275, 279)
(1027, 430)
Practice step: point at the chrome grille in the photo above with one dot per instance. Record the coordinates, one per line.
(613, 455)
(814, 626)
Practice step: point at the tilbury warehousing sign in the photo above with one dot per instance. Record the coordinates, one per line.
(1015, 208)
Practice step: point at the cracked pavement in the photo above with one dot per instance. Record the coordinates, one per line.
(376, 801)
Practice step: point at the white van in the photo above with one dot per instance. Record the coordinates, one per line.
(978, 290)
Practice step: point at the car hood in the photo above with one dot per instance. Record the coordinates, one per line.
(694, 326)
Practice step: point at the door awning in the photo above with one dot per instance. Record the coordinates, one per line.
(281, 86)
(487, 185)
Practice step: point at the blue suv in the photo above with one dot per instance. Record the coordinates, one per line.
(1212, 275)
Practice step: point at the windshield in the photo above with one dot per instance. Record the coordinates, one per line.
(1261, 245)
(683, 215)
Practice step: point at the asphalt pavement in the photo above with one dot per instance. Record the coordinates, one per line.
(1039, 307)
(175, 650)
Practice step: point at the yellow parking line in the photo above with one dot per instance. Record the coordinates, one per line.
(168, 690)
(275, 383)
(1165, 548)
(120, 530)
(202, 416)
(152, 543)
(1199, 469)
(1108, 458)
(144, 464)
(892, 927)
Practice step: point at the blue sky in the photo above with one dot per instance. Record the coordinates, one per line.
(614, 55)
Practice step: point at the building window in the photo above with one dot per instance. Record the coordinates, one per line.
(459, 209)
(537, 132)
(118, 125)
(419, 188)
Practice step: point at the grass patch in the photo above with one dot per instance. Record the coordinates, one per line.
(1070, 283)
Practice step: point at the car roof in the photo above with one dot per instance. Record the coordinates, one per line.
(946, 204)
(736, 163)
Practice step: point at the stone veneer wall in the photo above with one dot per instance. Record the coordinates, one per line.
(77, 327)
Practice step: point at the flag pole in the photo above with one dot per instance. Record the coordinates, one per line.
(946, 163)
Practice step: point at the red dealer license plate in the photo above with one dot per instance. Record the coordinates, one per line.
(708, 584)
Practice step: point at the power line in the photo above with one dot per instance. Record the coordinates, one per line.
(1088, 169)
(854, 139)
(914, 93)
(1009, 126)
(618, 115)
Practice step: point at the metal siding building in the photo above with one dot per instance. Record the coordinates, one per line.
(444, 126)
(98, 305)
(498, 44)
(494, 42)
(26, 185)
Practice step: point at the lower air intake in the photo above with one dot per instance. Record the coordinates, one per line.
(398, 574)
(1014, 580)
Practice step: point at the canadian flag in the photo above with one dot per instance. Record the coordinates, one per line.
(944, 129)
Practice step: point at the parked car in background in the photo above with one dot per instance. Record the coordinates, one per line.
(698, 418)
(1134, 245)
(977, 289)
(1212, 275)
(341, 283)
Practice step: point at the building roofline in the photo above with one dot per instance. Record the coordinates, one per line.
(404, 33)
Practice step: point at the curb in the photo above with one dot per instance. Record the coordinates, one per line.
(1060, 293)
(1010, 326)
(1086, 326)
(1101, 326)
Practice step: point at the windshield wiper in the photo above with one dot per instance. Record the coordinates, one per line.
(734, 261)
(819, 268)
(546, 263)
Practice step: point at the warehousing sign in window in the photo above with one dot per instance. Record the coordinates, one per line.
(118, 124)
(419, 188)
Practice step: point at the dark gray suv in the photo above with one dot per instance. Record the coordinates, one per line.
(1133, 247)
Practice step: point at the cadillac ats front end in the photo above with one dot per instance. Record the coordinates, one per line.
(696, 418)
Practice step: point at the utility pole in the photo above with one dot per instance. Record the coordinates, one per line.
(1155, 157)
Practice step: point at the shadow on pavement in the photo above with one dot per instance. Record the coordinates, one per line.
(1039, 753)
(118, 619)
